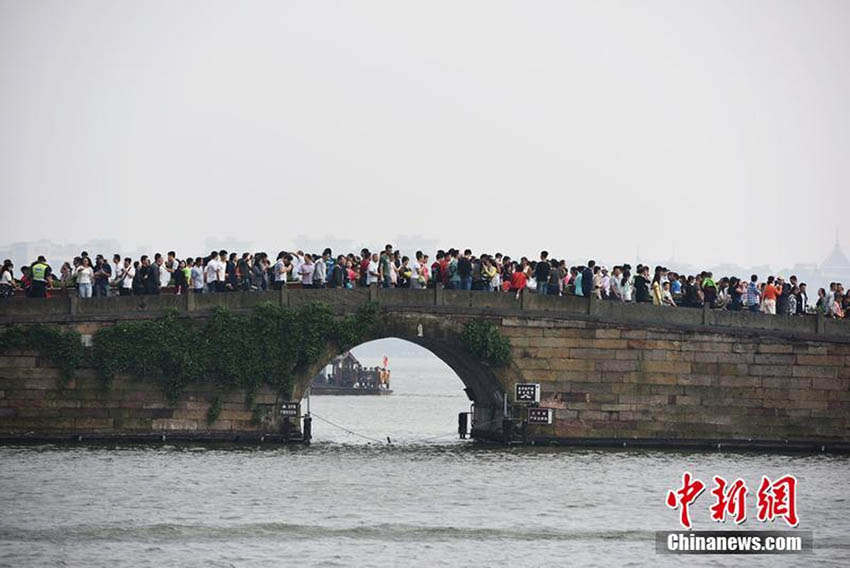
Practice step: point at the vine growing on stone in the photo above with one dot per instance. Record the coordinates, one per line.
(214, 410)
(485, 341)
(237, 351)
(62, 347)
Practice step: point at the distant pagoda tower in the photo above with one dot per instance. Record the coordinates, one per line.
(836, 267)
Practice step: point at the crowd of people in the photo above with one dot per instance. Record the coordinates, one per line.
(221, 271)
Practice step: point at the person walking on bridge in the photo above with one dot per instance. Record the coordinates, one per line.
(85, 275)
(587, 279)
(769, 295)
(102, 274)
(124, 278)
(464, 270)
(541, 273)
(752, 294)
(41, 276)
(7, 279)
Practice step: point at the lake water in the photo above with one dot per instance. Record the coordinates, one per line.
(427, 499)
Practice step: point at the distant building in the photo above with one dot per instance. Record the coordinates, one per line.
(25, 253)
(836, 267)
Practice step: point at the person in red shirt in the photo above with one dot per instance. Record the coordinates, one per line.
(518, 280)
(436, 274)
(364, 266)
(769, 296)
(444, 268)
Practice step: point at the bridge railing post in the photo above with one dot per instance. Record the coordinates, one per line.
(373, 292)
(439, 298)
(189, 301)
(283, 297)
(820, 323)
(73, 304)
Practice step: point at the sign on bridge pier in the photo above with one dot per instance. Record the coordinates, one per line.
(527, 393)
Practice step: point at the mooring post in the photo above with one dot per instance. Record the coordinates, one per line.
(462, 424)
(307, 434)
(507, 425)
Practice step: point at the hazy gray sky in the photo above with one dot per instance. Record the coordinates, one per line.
(718, 129)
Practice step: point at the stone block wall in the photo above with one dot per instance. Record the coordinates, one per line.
(34, 400)
(642, 383)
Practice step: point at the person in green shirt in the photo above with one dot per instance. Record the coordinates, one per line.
(385, 269)
(709, 289)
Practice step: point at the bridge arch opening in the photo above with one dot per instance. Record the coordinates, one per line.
(352, 400)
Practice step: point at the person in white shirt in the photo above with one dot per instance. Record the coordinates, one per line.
(373, 275)
(117, 266)
(171, 264)
(415, 267)
(297, 261)
(616, 285)
(606, 283)
(7, 283)
(320, 270)
(124, 281)
(221, 271)
(210, 273)
(164, 275)
(84, 274)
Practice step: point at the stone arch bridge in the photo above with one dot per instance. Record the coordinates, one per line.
(611, 373)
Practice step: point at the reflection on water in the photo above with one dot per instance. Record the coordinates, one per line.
(425, 500)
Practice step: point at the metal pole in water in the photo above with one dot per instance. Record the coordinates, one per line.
(462, 427)
(307, 430)
(307, 433)
(507, 425)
